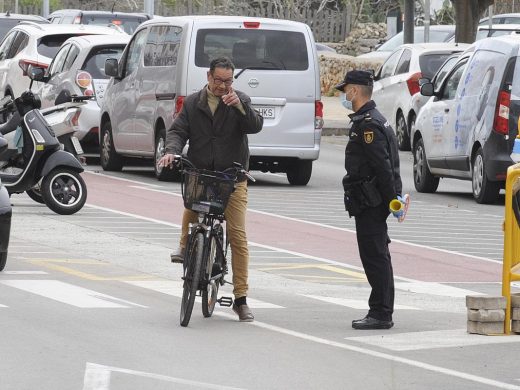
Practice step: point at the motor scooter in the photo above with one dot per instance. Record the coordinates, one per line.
(5, 216)
(41, 161)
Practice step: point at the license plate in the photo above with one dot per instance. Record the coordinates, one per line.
(266, 112)
(77, 145)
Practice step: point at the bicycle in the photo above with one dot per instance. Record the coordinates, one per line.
(205, 266)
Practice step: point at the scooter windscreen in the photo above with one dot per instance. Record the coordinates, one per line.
(40, 129)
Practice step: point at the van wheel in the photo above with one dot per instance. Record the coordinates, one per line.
(300, 172)
(423, 179)
(110, 160)
(484, 190)
(162, 173)
(403, 136)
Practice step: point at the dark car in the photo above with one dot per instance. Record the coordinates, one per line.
(9, 20)
(5, 216)
(127, 21)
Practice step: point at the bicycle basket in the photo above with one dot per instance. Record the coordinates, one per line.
(206, 191)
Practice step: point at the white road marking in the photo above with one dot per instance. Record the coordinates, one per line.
(25, 273)
(380, 355)
(174, 288)
(352, 303)
(412, 341)
(3, 305)
(70, 294)
(432, 288)
(97, 377)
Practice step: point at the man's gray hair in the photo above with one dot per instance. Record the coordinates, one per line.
(221, 62)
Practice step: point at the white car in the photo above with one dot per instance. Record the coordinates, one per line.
(79, 69)
(398, 80)
(34, 44)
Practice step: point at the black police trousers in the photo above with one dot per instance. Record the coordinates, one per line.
(373, 240)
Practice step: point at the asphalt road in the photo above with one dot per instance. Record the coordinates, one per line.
(90, 301)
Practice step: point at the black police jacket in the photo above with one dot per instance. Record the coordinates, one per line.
(372, 152)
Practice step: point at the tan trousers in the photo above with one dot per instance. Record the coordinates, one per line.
(236, 229)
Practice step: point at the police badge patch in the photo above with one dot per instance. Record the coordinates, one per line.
(368, 136)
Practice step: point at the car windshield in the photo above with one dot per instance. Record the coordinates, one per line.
(95, 62)
(49, 45)
(128, 23)
(430, 63)
(418, 37)
(253, 48)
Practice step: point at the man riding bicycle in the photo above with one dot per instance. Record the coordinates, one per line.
(216, 121)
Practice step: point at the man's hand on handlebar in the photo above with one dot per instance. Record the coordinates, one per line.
(169, 160)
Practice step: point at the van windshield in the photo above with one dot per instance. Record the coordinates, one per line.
(253, 48)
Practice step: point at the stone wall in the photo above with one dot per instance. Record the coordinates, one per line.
(334, 66)
(363, 39)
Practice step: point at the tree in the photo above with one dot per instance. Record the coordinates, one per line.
(467, 15)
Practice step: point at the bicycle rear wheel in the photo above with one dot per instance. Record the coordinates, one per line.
(191, 277)
(214, 267)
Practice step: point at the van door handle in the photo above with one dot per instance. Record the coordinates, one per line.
(446, 110)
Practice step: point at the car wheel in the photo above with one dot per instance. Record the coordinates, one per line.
(403, 136)
(423, 179)
(300, 172)
(484, 190)
(162, 173)
(110, 160)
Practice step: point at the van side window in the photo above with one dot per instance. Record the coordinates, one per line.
(452, 83)
(135, 47)
(162, 46)
(253, 47)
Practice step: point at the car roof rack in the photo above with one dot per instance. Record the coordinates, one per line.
(30, 23)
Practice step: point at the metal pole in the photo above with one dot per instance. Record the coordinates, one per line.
(408, 21)
(45, 8)
(149, 7)
(16, 6)
(1, 5)
(490, 13)
(426, 20)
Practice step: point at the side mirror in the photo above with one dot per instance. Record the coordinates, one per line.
(35, 73)
(427, 89)
(424, 80)
(3, 144)
(111, 67)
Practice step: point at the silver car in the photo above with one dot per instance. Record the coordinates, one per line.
(79, 69)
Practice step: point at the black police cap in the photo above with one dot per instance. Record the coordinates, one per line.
(359, 77)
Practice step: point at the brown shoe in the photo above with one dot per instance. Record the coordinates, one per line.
(244, 313)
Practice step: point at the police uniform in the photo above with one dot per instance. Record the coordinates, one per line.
(371, 156)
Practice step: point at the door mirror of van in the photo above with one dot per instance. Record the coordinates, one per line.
(427, 89)
(424, 80)
(36, 74)
(111, 67)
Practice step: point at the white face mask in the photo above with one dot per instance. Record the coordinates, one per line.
(345, 102)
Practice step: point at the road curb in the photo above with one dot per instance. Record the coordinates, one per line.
(328, 131)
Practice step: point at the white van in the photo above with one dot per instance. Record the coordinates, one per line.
(168, 59)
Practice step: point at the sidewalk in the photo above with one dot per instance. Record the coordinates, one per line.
(334, 116)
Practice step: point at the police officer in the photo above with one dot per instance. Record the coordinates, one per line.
(372, 181)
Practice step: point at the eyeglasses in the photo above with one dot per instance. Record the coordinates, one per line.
(218, 81)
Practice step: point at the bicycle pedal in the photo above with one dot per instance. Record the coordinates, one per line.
(225, 301)
(226, 282)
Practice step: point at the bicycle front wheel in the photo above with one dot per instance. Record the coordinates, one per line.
(214, 267)
(191, 277)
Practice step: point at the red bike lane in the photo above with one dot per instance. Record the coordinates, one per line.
(409, 261)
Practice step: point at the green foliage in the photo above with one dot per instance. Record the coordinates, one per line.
(446, 15)
(53, 4)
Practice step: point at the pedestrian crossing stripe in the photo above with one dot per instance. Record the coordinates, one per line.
(70, 294)
(175, 289)
(353, 303)
(432, 288)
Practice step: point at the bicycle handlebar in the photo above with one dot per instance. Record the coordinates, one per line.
(237, 167)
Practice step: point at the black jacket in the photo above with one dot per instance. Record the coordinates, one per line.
(215, 141)
(372, 151)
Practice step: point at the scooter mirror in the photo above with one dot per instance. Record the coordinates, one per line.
(35, 73)
(3, 145)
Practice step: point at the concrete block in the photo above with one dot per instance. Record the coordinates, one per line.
(483, 302)
(486, 328)
(515, 314)
(515, 300)
(482, 315)
(515, 326)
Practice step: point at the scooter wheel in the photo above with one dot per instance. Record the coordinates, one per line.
(64, 191)
(36, 195)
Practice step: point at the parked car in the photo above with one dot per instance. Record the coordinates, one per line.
(468, 127)
(127, 21)
(497, 30)
(323, 47)
(438, 33)
(34, 44)
(398, 80)
(513, 18)
(79, 69)
(9, 20)
(168, 59)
